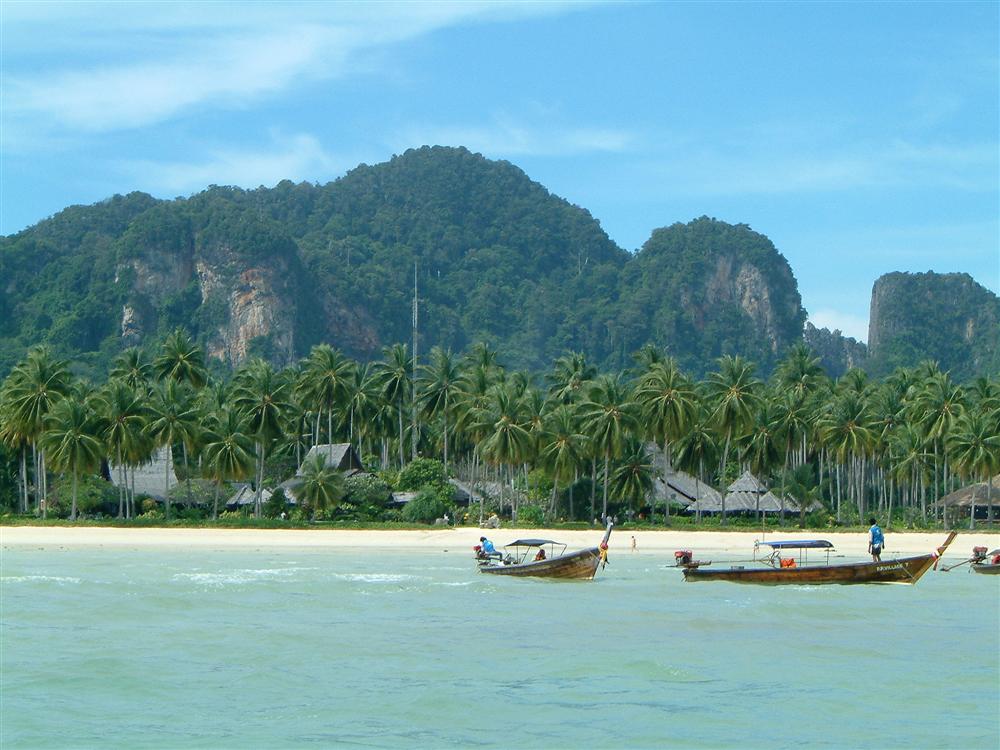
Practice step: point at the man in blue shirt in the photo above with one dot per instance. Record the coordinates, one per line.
(488, 549)
(875, 540)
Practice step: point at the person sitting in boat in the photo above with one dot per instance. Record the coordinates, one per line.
(540, 555)
(487, 547)
(875, 540)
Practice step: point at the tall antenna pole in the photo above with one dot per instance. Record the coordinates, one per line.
(413, 379)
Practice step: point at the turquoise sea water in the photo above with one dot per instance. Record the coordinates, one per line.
(291, 648)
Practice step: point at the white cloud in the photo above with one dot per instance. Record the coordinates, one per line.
(763, 166)
(124, 66)
(505, 137)
(297, 157)
(854, 326)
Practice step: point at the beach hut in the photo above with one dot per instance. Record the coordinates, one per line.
(150, 477)
(979, 500)
(244, 496)
(340, 455)
(745, 494)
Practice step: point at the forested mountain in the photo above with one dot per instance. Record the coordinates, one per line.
(946, 317)
(272, 272)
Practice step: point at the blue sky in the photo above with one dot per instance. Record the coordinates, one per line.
(862, 138)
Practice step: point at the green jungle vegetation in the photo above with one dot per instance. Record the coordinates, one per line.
(569, 446)
(500, 260)
(948, 314)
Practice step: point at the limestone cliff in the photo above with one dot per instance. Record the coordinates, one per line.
(944, 317)
(709, 288)
(837, 353)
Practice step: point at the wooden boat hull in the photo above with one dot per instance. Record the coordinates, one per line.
(902, 570)
(987, 568)
(579, 565)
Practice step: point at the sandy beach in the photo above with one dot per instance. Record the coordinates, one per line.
(462, 539)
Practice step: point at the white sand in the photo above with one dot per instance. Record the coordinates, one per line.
(659, 543)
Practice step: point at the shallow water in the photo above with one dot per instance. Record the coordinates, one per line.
(281, 648)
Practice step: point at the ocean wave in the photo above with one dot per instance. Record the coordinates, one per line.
(375, 577)
(40, 579)
(237, 577)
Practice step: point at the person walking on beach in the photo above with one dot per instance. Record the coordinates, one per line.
(875, 540)
(633, 543)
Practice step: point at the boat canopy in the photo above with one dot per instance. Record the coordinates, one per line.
(800, 544)
(531, 543)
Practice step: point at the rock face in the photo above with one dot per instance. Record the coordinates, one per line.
(944, 317)
(499, 259)
(240, 303)
(709, 288)
(837, 353)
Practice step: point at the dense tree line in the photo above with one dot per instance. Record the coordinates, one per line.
(572, 443)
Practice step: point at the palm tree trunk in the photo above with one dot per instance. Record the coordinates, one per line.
(593, 487)
(166, 481)
(607, 462)
(24, 478)
(72, 514)
(722, 479)
(402, 460)
(215, 500)
(445, 419)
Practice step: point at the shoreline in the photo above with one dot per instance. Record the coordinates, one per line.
(462, 539)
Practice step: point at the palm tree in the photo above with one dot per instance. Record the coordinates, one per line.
(762, 445)
(608, 416)
(507, 440)
(264, 397)
(325, 382)
(132, 367)
(440, 385)
(562, 449)
(125, 413)
(570, 377)
(181, 360)
(228, 451)
(799, 372)
(362, 405)
(667, 404)
(975, 448)
(72, 440)
(846, 427)
(172, 417)
(696, 448)
(320, 486)
(632, 477)
(937, 406)
(393, 374)
(33, 389)
(734, 393)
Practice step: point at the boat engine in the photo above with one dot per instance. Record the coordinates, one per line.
(978, 554)
(682, 557)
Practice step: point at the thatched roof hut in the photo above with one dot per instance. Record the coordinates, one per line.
(974, 494)
(683, 489)
(244, 496)
(747, 483)
(150, 477)
(342, 456)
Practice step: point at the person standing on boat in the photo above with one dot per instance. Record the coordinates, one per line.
(875, 540)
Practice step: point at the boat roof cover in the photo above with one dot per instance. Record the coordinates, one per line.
(800, 544)
(531, 543)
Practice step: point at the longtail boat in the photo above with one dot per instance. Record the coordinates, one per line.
(987, 562)
(774, 569)
(981, 561)
(521, 558)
